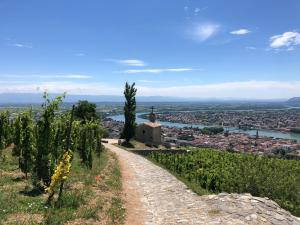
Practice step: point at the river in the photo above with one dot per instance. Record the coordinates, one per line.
(266, 133)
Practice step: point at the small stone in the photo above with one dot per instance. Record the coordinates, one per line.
(279, 217)
(263, 219)
(253, 216)
(222, 194)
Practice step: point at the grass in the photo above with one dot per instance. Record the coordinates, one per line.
(134, 144)
(89, 195)
(116, 211)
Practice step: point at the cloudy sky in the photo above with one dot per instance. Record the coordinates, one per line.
(188, 48)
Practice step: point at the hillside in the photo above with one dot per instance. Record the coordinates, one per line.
(294, 101)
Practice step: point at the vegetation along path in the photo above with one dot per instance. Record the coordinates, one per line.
(154, 196)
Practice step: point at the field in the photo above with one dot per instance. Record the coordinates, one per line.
(91, 196)
(219, 171)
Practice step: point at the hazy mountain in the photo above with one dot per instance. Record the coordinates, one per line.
(36, 98)
(294, 101)
(30, 98)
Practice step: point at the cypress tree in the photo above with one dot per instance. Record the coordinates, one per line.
(129, 112)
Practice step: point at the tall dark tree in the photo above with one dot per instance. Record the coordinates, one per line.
(85, 110)
(129, 112)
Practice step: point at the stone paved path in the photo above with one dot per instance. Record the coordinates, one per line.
(165, 200)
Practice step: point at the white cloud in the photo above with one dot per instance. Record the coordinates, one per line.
(61, 87)
(287, 39)
(237, 90)
(72, 76)
(46, 76)
(251, 48)
(21, 45)
(132, 62)
(202, 31)
(80, 54)
(157, 70)
(145, 81)
(127, 62)
(196, 11)
(240, 32)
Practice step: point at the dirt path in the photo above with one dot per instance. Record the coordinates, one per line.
(154, 196)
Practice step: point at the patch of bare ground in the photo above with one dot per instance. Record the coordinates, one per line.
(15, 174)
(24, 219)
(19, 185)
(134, 208)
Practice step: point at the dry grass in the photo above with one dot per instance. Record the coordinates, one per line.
(90, 196)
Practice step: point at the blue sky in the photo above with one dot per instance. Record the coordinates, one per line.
(188, 48)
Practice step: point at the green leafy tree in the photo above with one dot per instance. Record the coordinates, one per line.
(27, 143)
(85, 110)
(129, 112)
(45, 136)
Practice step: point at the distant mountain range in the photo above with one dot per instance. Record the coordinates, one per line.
(294, 101)
(36, 98)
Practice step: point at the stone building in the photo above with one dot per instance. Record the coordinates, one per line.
(149, 132)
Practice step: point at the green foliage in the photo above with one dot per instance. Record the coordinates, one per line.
(90, 135)
(208, 130)
(295, 130)
(17, 136)
(220, 171)
(212, 130)
(117, 211)
(5, 130)
(27, 143)
(129, 112)
(45, 136)
(18, 196)
(85, 110)
(39, 145)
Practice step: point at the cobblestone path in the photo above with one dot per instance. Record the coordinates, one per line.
(166, 200)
